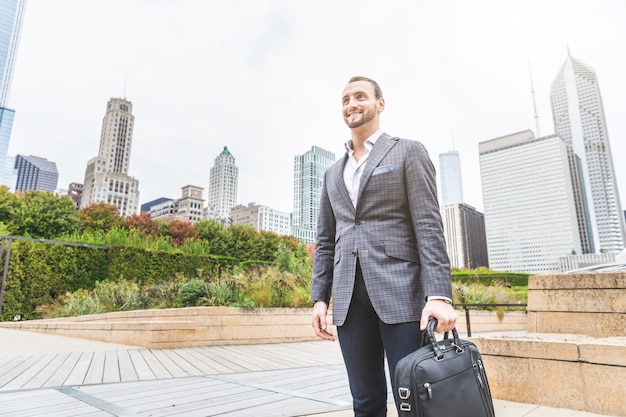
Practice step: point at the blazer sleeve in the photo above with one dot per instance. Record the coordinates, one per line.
(324, 253)
(426, 220)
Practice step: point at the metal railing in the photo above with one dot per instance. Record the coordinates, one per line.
(8, 241)
(467, 306)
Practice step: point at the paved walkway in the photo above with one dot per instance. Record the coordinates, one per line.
(48, 375)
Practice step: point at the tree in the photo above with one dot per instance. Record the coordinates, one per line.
(9, 202)
(180, 231)
(142, 223)
(99, 216)
(43, 215)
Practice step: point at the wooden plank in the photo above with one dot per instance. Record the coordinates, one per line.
(111, 371)
(22, 367)
(79, 372)
(126, 366)
(46, 372)
(183, 362)
(171, 366)
(63, 371)
(155, 365)
(204, 355)
(142, 368)
(96, 369)
(27, 370)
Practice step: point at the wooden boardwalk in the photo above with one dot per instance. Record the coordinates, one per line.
(292, 379)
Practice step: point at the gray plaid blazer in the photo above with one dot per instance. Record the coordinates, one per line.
(395, 231)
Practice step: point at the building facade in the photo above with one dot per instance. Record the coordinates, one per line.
(262, 218)
(106, 176)
(187, 208)
(530, 214)
(11, 16)
(75, 191)
(450, 178)
(464, 229)
(224, 178)
(579, 119)
(308, 175)
(35, 173)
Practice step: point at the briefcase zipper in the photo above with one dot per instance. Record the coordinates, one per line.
(429, 390)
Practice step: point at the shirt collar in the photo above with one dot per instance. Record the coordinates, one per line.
(369, 142)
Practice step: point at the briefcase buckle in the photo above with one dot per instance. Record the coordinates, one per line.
(404, 393)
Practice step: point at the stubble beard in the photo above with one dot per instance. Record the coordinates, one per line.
(366, 117)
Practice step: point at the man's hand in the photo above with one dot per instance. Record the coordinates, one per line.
(320, 309)
(442, 311)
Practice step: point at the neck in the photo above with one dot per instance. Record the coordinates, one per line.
(361, 133)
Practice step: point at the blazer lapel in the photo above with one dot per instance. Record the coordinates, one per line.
(383, 145)
(341, 184)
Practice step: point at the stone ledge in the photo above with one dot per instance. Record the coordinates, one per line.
(558, 370)
(210, 326)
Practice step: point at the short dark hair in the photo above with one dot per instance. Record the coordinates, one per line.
(378, 92)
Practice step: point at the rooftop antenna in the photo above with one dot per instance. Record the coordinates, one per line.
(125, 78)
(532, 92)
(453, 147)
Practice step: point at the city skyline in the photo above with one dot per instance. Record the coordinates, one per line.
(261, 78)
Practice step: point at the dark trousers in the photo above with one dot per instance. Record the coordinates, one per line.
(365, 340)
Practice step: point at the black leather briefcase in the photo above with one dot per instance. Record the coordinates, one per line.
(443, 379)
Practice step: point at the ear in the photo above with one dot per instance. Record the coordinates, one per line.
(381, 105)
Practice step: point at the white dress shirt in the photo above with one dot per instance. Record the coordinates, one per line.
(353, 170)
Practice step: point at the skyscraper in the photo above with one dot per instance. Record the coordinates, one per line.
(11, 13)
(308, 175)
(451, 181)
(530, 215)
(35, 173)
(223, 182)
(106, 176)
(579, 119)
(464, 228)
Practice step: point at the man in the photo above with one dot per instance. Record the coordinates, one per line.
(380, 250)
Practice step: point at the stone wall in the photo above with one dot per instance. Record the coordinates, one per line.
(206, 326)
(573, 354)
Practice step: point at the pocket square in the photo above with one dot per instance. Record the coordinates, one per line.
(382, 169)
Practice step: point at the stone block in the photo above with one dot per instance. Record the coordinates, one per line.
(590, 280)
(591, 324)
(508, 378)
(602, 300)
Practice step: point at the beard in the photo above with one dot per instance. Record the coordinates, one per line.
(366, 117)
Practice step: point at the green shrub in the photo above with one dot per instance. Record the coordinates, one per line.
(191, 292)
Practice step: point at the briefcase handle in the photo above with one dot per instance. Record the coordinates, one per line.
(429, 337)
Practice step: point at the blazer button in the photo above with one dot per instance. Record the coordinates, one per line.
(354, 252)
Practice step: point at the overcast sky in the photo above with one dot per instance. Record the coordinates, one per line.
(264, 78)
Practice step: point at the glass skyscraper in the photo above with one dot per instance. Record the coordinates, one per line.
(579, 119)
(11, 12)
(530, 215)
(450, 174)
(308, 175)
(35, 173)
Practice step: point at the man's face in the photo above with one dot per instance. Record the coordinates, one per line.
(359, 104)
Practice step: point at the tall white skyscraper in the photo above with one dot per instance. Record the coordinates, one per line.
(223, 182)
(451, 180)
(579, 119)
(530, 214)
(106, 175)
(11, 14)
(308, 175)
